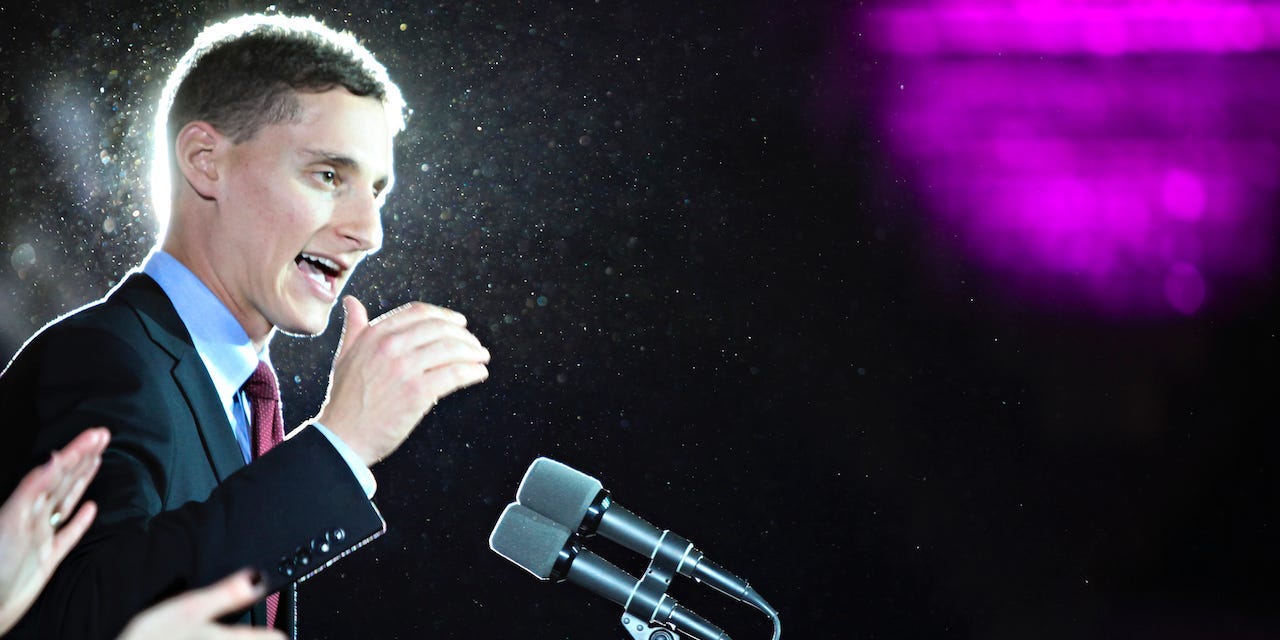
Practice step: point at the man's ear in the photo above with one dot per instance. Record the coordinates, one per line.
(195, 151)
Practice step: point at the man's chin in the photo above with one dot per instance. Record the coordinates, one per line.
(304, 328)
(301, 333)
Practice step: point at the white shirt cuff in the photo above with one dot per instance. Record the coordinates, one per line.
(362, 473)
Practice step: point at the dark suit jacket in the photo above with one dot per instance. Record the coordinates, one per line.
(178, 508)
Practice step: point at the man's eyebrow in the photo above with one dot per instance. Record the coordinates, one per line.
(333, 158)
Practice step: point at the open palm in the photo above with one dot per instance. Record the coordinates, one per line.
(36, 528)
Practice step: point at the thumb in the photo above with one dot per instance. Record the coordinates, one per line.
(355, 319)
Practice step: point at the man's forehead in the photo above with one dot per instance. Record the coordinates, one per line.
(345, 128)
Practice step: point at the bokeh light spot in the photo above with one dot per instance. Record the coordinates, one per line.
(23, 259)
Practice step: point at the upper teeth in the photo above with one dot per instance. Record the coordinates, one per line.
(329, 264)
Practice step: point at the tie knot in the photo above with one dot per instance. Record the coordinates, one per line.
(262, 384)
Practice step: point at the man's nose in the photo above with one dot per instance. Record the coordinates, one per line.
(361, 223)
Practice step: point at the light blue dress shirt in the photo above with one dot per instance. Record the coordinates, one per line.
(228, 353)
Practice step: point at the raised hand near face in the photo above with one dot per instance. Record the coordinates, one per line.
(389, 372)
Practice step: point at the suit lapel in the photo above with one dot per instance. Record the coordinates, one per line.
(165, 328)
(219, 442)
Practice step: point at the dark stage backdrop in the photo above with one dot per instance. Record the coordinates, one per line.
(737, 314)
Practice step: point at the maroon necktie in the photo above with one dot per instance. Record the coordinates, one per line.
(267, 431)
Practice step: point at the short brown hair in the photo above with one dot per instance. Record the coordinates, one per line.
(243, 74)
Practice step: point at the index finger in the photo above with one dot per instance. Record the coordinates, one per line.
(232, 593)
(419, 312)
(90, 442)
(51, 477)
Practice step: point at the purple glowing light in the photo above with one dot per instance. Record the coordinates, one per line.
(1095, 28)
(1123, 154)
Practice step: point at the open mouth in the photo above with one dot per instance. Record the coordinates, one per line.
(321, 270)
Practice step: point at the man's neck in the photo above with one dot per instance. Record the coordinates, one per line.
(259, 333)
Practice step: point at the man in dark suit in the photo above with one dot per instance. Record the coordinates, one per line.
(277, 134)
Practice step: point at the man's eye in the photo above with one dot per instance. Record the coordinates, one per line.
(327, 177)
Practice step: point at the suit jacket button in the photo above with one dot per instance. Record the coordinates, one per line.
(286, 567)
(320, 544)
(302, 557)
(339, 534)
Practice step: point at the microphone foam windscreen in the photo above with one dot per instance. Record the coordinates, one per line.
(558, 491)
(528, 539)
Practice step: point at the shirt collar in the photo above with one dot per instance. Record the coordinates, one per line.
(222, 343)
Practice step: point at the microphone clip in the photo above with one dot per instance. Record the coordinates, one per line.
(649, 601)
(641, 630)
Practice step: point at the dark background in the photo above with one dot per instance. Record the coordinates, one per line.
(723, 307)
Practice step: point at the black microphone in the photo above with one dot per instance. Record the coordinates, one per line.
(578, 501)
(545, 549)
